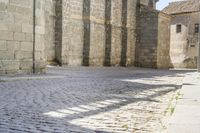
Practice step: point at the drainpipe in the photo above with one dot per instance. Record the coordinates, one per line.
(34, 24)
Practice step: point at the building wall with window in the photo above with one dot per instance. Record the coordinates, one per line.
(184, 40)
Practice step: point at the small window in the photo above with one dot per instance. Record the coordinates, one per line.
(178, 28)
(196, 28)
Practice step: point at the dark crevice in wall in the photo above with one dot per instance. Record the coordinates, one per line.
(58, 31)
(108, 33)
(34, 28)
(136, 63)
(124, 33)
(86, 39)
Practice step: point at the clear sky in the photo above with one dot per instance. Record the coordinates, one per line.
(162, 4)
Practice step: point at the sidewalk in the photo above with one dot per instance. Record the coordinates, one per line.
(186, 118)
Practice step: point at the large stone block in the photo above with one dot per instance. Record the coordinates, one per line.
(6, 35)
(19, 55)
(39, 46)
(26, 46)
(20, 18)
(26, 65)
(19, 36)
(15, 27)
(27, 28)
(2, 7)
(6, 17)
(13, 45)
(29, 37)
(4, 1)
(23, 3)
(3, 27)
(7, 65)
(3, 45)
(40, 30)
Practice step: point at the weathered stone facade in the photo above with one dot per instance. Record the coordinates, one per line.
(97, 33)
(153, 39)
(184, 32)
(16, 36)
(184, 45)
(73, 33)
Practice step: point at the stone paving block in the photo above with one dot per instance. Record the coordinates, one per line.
(87, 100)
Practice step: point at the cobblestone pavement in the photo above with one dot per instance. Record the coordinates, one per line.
(87, 100)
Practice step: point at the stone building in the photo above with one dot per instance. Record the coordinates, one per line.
(75, 33)
(184, 32)
(16, 36)
(153, 38)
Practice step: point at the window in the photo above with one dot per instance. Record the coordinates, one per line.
(196, 28)
(178, 28)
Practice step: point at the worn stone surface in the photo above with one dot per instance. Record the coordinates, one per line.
(88, 100)
(186, 118)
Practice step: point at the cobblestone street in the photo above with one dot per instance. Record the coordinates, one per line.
(87, 100)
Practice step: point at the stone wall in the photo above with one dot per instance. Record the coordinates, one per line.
(81, 32)
(184, 45)
(16, 36)
(50, 53)
(153, 37)
(78, 32)
(97, 33)
(163, 44)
